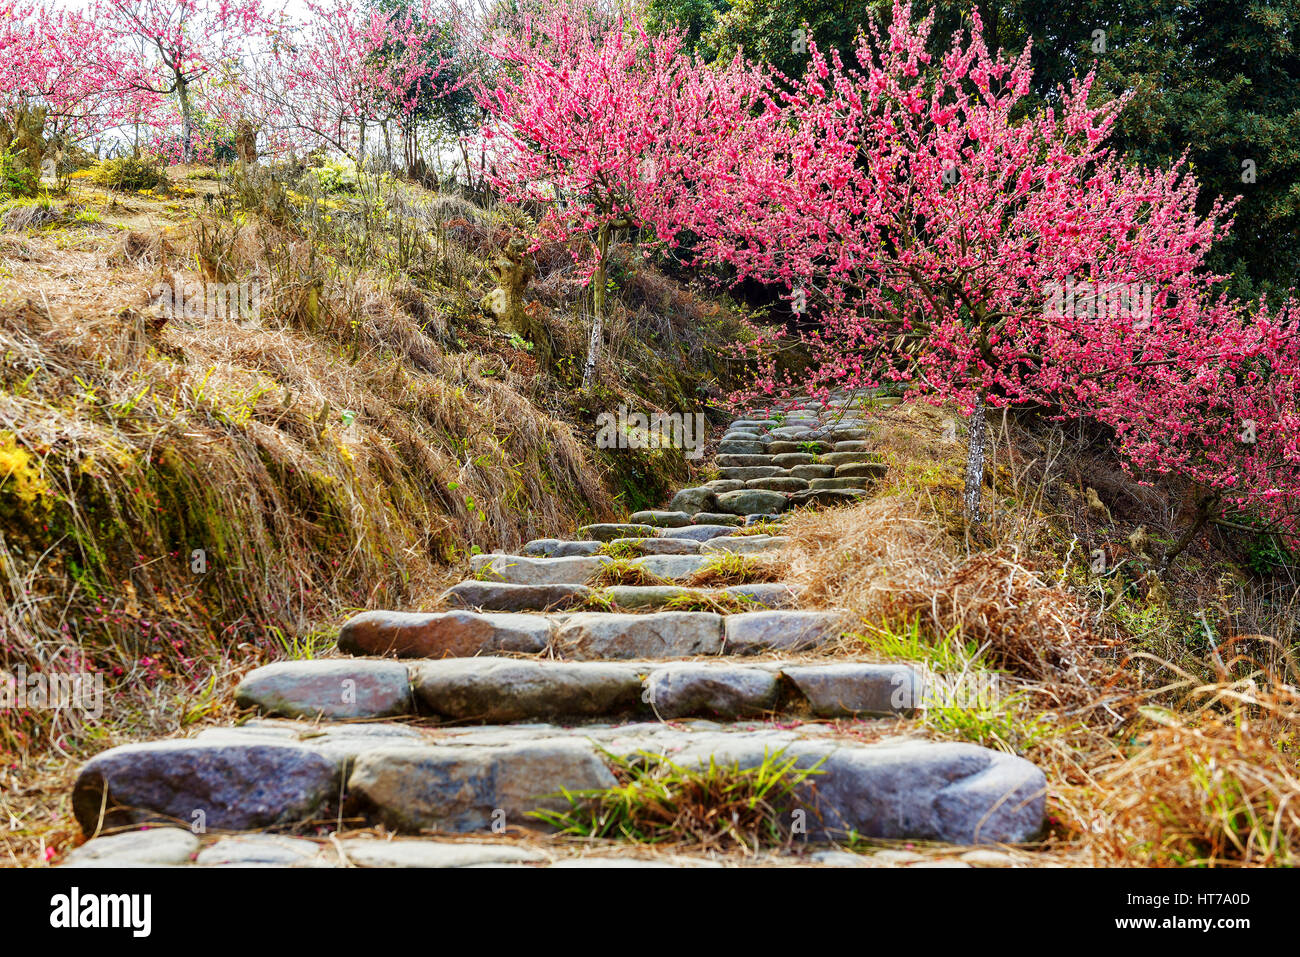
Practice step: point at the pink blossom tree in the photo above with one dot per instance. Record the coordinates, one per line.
(179, 46)
(334, 76)
(933, 234)
(606, 126)
(1219, 404)
(59, 78)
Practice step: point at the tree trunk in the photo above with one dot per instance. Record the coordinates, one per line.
(187, 121)
(598, 307)
(976, 447)
(1206, 509)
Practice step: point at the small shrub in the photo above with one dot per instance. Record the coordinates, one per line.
(15, 178)
(334, 176)
(128, 174)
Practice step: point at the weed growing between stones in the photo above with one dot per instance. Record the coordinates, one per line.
(715, 806)
(759, 528)
(728, 568)
(623, 571)
(719, 603)
(623, 550)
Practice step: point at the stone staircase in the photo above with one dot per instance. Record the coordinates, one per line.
(446, 731)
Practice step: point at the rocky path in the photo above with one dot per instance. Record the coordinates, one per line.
(444, 731)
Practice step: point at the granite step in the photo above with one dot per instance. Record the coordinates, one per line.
(468, 780)
(500, 690)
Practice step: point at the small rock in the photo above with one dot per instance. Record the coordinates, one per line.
(786, 448)
(747, 501)
(697, 533)
(891, 858)
(832, 484)
(684, 690)
(717, 518)
(362, 852)
(788, 459)
(723, 485)
(735, 447)
(236, 787)
(502, 596)
(154, 846)
(826, 497)
(838, 859)
(862, 470)
(466, 788)
(336, 690)
(610, 530)
(812, 471)
(577, 549)
(791, 433)
(758, 631)
(982, 857)
(447, 634)
(851, 458)
(666, 634)
(783, 483)
(261, 850)
(504, 689)
(541, 547)
(646, 596)
(558, 548)
(839, 434)
(940, 862)
(520, 570)
(745, 473)
(744, 544)
(854, 689)
(744, 461)
(765, 594)
(692, 500)
(657, 546)
(662, 519)
(674, 567)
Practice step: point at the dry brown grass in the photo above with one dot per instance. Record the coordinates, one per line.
(887, 560)
(1217, 795)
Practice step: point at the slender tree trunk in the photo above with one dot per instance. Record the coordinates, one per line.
(1206, 509)
(976, 448)
(469, 177)
(598, 307)
(187, 121)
